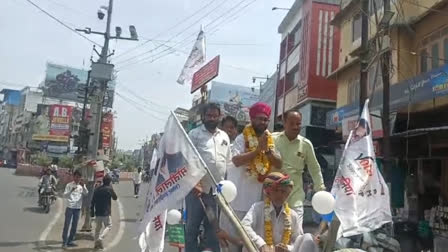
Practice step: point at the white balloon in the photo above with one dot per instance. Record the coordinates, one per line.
(173, 217)
(228, 190)
(323, 202)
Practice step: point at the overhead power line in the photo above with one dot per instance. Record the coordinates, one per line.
(201, 9)
(61, 23)
(168, 51)
(177, 34)
(138, 106)
(186, 38)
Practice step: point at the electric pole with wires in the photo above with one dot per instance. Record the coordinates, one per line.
(100, 74)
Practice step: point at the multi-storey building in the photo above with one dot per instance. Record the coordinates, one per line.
(418, 43)
(309, 52)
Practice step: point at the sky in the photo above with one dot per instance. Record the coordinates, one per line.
(243, 32)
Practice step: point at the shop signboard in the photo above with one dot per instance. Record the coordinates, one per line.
(422, 88)
(106, 129)
(50, 138)
(60, 118)
(205, 74)
(58, 149)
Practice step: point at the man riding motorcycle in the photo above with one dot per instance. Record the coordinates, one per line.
(47, 184)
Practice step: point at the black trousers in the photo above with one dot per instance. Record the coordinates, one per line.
(136, 189)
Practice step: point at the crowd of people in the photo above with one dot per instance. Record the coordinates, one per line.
(266, 168)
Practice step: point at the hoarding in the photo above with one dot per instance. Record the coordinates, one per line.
(60, 118)
(64, 83)
(234, 100)
(205, 74)
(106, 130)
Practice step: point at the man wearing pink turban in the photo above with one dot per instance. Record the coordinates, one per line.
(248, 172)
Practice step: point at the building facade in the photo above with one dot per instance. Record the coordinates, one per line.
(418, 43)
(309, 52)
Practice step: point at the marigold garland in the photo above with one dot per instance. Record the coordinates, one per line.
(286, 237)
(260, 166)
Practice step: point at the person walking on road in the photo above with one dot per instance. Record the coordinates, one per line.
(101, 208)
(73, 194)
(137, 179)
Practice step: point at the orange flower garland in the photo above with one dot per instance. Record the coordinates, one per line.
(286, 237)
(260, 166)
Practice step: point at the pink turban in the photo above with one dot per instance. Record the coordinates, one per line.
(260, 108)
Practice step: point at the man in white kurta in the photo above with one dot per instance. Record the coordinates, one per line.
(277, 188)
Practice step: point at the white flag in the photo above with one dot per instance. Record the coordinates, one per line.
(362, 196)
(194, 61)
(179, 169)
(153, 238)
(154, 159)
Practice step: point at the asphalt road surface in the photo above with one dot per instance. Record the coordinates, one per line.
(24, 227)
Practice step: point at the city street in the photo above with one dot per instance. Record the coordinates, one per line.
(25, 227)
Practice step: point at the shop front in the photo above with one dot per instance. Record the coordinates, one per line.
(418, 178)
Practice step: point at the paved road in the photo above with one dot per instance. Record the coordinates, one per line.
(22, 223)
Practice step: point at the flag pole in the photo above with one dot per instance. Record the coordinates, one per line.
(223, 204)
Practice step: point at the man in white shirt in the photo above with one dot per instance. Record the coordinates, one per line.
(271, 224)
(137, 179)
(213, 145)
(74, 191)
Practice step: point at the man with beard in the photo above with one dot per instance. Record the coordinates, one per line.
(297, 152)
(213, 145)
(254, 156)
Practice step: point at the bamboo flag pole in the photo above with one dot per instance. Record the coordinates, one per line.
(222, 202)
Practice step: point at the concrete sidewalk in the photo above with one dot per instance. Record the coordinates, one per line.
(84, 240)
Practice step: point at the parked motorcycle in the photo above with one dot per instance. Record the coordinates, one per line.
(47, 198)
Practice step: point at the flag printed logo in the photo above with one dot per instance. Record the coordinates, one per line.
(178, 169)
(362, 196)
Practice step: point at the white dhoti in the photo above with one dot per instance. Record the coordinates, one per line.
(305, 243)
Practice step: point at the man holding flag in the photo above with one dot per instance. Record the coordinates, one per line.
(213, 145)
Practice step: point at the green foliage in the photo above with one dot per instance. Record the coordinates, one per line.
(66, 162)
(40, 159)
(123, 162)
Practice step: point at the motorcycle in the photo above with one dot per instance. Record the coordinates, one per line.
(47, 198)
(115, 178)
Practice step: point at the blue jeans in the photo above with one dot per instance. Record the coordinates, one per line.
(195, 216)
(71, 216)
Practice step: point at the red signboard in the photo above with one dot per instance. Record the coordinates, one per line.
(207, 73)
(106, 129)
(60, 117)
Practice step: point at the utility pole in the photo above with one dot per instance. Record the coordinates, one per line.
(97, 108)
(364, 64)
(385, 60)
(364, 53)
(101, 73)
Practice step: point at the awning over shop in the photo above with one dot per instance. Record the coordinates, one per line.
(421, 88)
